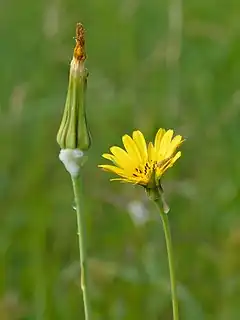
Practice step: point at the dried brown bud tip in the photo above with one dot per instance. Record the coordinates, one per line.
(79, 50)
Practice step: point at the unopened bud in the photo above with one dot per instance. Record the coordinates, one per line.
(73, 132)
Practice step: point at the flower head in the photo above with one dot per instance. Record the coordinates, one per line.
(144, 164)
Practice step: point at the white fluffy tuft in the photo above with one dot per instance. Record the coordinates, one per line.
(71, 160)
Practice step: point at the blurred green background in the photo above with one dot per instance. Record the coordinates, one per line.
(147, 70)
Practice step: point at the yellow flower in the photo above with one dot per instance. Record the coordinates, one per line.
(142, 164)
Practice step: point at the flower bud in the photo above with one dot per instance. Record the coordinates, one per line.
(73, 132)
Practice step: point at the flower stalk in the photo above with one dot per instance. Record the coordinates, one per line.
(168, 239)
(73, 138)
(82, 246)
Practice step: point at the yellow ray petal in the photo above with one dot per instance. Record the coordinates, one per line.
(139, 139)
(122, 180)
(175, 143)
(151, 152)
(158, 138)
(129, 180)
(112, 169)
(165, 142)
(168, 164)
(122, 158)
(132, 149)
(109, 157)
(177, 156)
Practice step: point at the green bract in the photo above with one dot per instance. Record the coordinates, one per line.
(73, 132)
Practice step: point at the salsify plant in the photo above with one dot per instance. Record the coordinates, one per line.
(144, 165)
(139, 164)
(74, 140)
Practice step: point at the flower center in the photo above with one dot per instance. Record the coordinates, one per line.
(145, 170)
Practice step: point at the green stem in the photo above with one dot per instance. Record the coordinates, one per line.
(82, 247)
(168, 239)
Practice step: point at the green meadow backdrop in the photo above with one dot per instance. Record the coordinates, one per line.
(152, 64)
